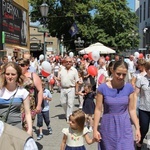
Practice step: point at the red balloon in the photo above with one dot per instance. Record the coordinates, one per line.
(44, 73)
(52, 81)
(107, 58)
(90, 56)
(141, 56)
(92, 70)
(56, 57)
(85, 56)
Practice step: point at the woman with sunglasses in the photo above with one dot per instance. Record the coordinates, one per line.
(143, 87)
(119, 102)
(33, 84)
(12, 95)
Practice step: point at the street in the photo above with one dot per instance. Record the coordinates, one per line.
(58, 122)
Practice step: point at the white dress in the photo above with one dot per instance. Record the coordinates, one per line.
(75, 138)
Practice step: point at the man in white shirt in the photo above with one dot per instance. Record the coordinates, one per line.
(69, 79)
(131, 65)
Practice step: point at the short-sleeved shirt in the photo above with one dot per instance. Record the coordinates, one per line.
(144, 85)
(69, 78)
(46, 93)
(19, 95)
(74, 138)
(137, 74)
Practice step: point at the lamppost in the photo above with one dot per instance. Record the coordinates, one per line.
(79, 43)
(145, 30)
(61, 45)
(44, 12)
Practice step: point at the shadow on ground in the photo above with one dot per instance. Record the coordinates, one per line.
(58, 105)
(61, 116)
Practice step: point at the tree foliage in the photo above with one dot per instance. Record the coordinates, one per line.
(107, 21)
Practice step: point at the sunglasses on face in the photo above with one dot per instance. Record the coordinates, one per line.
(69, 62)
(22, 65)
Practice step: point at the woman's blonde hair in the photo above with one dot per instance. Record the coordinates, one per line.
(20, 77)
(79, 117)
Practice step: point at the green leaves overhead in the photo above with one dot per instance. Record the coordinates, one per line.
(106, 21)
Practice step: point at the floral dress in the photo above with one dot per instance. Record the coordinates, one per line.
(29, 86)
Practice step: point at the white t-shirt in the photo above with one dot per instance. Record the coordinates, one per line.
(74, 138)
(131, 66)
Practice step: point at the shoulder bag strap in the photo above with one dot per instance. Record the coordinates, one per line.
(10, 104)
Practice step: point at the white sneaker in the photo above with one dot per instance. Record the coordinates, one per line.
(80, 107)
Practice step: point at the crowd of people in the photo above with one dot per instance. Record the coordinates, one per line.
(110, 100)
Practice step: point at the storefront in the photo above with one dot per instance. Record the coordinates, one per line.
(15, 26)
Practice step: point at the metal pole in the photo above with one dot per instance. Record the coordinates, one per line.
(62, 50)
(44, 46)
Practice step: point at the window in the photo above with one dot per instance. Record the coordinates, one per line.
(148, 9)
(144, 10)
(140, 13)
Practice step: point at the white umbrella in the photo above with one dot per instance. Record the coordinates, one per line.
(97, 47)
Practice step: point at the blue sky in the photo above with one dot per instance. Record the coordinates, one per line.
(131, 4)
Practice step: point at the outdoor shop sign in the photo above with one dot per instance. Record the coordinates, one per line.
(14, 24)
(34, 46)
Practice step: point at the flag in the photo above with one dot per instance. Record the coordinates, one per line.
(73, 30)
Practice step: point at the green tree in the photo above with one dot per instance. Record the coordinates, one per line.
(117, 21)
(111, 23)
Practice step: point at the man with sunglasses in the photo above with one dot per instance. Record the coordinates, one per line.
(69, 78)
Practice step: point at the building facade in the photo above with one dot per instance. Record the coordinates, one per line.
(143, 12)
(14, 27)
(37, 42)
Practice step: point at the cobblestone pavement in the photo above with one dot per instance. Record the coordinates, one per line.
(53, 141)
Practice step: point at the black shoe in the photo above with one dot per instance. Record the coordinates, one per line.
(50, 130)
(138, 148)
(40, 137)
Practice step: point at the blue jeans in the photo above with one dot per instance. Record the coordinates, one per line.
(43, 115)
(144, 120)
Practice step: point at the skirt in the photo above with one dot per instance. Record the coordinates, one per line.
(75, 148)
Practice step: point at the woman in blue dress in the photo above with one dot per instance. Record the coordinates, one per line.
(119, 102)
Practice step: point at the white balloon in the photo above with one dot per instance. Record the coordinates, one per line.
(71, 54)
(95, 55)
(136, 54)
(41, 57)
(9, 58)
(46, 66)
